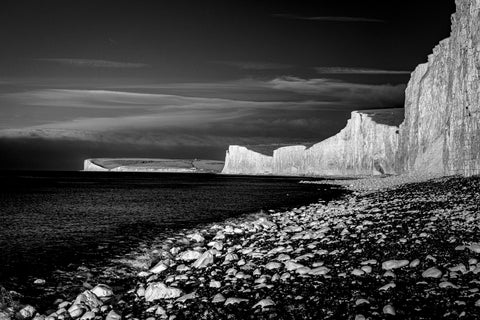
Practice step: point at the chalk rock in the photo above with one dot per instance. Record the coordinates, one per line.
(112, 315)
(204, 260)
(27, 312)
(432, 272)
(234, 301)
(103, 292)
(394, 264)
(264, 303)
(189, 255)
(158, 290)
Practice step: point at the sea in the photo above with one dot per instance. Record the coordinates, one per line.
(54, 223)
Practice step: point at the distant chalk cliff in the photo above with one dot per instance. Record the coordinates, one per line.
(440, 133)
(366, 146)
(153, 165)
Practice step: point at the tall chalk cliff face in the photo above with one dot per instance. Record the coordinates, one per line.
(441, 131)
(366, 146)
(440, 134)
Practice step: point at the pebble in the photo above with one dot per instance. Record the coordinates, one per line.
(102, 291)
(158, 290)
(204, 260)
(112, 315)
(218, 298)
(394, 264)
(264, 303)
(28, 311)
(432, 272)
(234, 301)
(189, 255)
(388, 309)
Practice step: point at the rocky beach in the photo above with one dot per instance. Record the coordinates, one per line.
(406, 252)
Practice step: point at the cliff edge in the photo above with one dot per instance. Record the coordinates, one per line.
(441, 131)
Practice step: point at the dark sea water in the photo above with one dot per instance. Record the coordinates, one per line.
(61, 220)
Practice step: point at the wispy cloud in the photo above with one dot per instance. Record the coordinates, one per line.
(93, 63)
(254, 65)
(354, 94)
(329, 18)
(343, 70)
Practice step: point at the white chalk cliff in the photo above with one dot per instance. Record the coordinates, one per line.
(153, 165)
(440, 133)
(366, 146)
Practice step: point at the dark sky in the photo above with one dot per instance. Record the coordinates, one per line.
(179, 79)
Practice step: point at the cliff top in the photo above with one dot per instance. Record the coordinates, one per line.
(389, 117)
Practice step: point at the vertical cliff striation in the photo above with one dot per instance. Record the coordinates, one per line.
(441, 131)
(366, 146)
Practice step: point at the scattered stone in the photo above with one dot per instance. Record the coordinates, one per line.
(388, 309)
(394, 264)
(205, 260)
(112, 315)
(432, 272)
(264, 303)
(218, 298)
(27, 312)
(158, 290)
(102, 291)
(234, 301)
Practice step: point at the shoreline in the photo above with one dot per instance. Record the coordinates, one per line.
(307, 260)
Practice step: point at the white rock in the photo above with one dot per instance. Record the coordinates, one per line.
(291, 265)
(187, 297)
(388, 309)
(361, 301)
(39, 281)
(264, 303)
(414, 263)
(102, 291)
(89, 315)
(189, 255)
(273, 265)
(112, 315)
(387, 286)
(159, 267)
(76, 310)
(89, 299)
(218, 298)
(446, 284)
(28, 311)
(432, 272)
(215, 284)
(320, 271)
(475, 247)
(394, 264)
(197, 237)
(234, 301)
(158, 290)
(358, 272)
(204, 260)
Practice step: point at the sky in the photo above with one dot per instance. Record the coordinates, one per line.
(184, 79)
